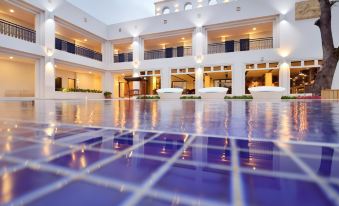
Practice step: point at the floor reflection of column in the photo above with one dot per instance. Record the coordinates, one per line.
(334, 112)
(107, 118)
(46, 111)
(170, 111)
(238, 123)
(285, 122)
(137, 107)
(199, 111)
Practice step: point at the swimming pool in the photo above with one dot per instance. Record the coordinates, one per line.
(169, 152)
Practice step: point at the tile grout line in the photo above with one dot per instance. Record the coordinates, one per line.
(236, 182)
(78, 174)
(328, 191)
(155, 177)
(305, 143)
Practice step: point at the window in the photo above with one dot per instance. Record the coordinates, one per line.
(212, 2)
(166, 10)
(188, 6)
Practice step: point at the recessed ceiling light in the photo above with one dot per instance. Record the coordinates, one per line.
(11, 10)
(183, 38)
(254, 29)
(85, 40)
(11, 57)
(90, 72)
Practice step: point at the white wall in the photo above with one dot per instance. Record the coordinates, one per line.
(12, 80)
(298, 40)
(83, 80)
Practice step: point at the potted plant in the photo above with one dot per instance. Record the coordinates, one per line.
(108, 95)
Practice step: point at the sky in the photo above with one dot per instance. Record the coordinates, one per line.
(116, 11)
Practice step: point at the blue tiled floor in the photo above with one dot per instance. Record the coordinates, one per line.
(169, 153)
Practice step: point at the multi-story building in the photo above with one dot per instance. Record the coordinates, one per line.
(49, 46)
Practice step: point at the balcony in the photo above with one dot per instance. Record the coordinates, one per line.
(241, 45)
(123, 57)
(17, 31)
(77, 50)
(168, 53)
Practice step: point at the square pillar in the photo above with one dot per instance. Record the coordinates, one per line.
(199, 42)
(238, 79)
(107, 82)
(166, 78)
(284, 77)
(107, 53)
(45, 78)
(138, 50)
(199, 79)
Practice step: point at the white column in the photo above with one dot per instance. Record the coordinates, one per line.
(137, 57)
(107, 82)
(166, 78)
(45, 71)
(199, 42)
(48, 74)
(107, 52)
(284, 77)
(238, 79)
(137, 49)
(199, 78)
(276, 36)
(136, 85)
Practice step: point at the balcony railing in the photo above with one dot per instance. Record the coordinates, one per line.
(76, 49)
(17, 31)
(123, 57)
(168, 53)
(242, 45)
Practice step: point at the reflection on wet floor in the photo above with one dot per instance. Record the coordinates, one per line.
(169, 153)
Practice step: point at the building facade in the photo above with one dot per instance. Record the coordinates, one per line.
(49, 47)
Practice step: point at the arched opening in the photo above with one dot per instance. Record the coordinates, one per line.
(188, 6)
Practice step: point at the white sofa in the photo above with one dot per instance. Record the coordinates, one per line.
(170, 93)
(267, 92)
(213, 93)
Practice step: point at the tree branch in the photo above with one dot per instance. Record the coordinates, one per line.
(333, 2)
(317, 23)
(337, 52)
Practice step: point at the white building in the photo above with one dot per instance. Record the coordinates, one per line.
(47, 46)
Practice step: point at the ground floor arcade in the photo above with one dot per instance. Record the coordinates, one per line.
(23, 76)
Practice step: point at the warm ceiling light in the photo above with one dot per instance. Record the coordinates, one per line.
(254, 29)
(85, 40)
(11, 57)
(90, 72)
(11, 10)
(183, 38)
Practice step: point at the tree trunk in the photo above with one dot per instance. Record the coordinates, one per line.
(330, 59)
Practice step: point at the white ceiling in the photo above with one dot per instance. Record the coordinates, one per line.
(116, 11)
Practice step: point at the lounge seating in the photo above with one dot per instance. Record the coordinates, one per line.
(213, 93)
(267, 92)
(170, 93)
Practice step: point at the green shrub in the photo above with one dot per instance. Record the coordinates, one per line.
(239, 97)
(107, 93)
(190, 97)
(80, 90)
(288, 97)
(148, 97)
